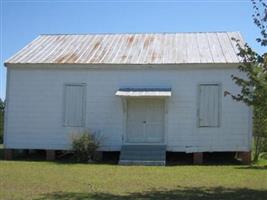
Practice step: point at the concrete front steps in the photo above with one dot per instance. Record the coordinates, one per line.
(143, 155)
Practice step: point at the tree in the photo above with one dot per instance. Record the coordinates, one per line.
(254, 85)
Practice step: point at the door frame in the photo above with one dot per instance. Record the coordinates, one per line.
(165, 121)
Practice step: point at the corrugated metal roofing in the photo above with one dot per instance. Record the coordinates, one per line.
(158, 48)
(144, 92)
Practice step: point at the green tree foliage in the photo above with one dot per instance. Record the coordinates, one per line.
(254, 85)
(2, 110)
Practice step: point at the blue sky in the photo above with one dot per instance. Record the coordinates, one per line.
(22, 21)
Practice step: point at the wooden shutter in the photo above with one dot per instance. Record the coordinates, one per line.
(209, 104)
(74, 108)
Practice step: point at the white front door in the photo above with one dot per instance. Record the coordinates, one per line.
(145, 121)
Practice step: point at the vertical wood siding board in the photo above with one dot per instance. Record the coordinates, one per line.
(87, 47)
(215, 111)
(66, 107)
(97, 50)
(82, 93)
(208, 105)
(74, 115)
(74, 105)
(201, 104)
(79, 107)
(216, 105)
(74, 50)
(71, 105)
(218, 100)
(205, 107)
(84, 105)
(84, 57)
(211, 100)
(200, 112)
(28, 52)
(38, 53)
(22, 51)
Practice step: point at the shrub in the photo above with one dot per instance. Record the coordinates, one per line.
(84, 146)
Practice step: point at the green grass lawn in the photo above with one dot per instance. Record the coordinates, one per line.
(55, 180)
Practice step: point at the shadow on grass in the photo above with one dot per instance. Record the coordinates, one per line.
(218, 193)
(253, 167)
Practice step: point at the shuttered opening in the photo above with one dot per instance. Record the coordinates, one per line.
(209, 105)
(74, 105)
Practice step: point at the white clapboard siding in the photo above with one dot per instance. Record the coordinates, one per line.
(74, 105)
(209, 105)
(35, 109)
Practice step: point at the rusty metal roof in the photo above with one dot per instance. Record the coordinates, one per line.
(152, 48)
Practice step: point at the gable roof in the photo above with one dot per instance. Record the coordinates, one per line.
(152, 48)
